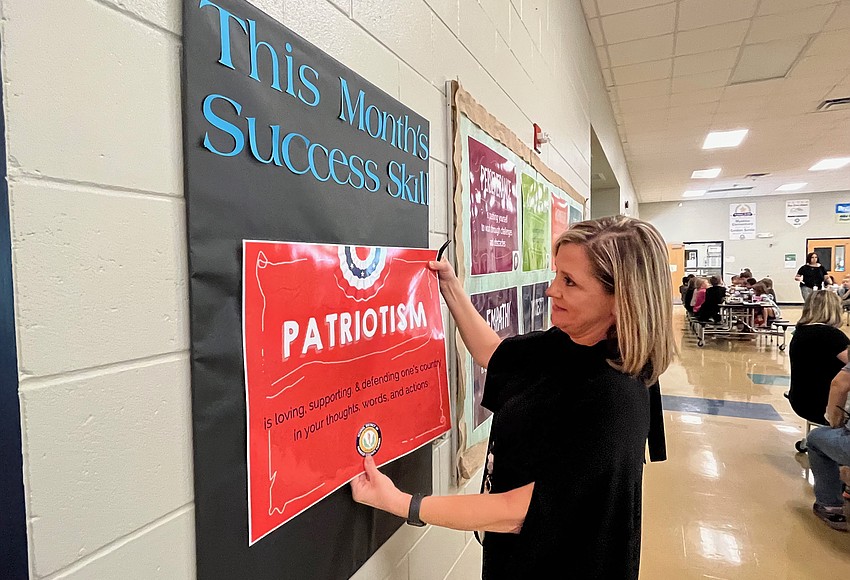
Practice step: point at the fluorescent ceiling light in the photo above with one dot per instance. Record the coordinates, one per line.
(834, 163)
(694, 193)
(705, 173)
(791, 186)
(718, 139)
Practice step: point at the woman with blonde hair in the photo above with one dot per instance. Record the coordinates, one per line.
(818, 350)
(547, 504)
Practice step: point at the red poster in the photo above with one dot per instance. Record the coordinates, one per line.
(344, 357)
(560, 220)
(493, 211)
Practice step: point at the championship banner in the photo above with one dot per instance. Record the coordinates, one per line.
(535, 307)
(493, 210)
(344, 357)
(499, 309)
(535, 215)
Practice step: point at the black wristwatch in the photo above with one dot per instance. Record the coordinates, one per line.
(413, 510)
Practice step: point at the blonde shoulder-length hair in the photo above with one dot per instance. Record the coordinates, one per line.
(630, 260)
(822, 307)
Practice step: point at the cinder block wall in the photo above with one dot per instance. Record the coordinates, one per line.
(92, 105)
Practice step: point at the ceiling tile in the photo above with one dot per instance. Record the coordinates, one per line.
(645, 89)
(645, 71)
(768, 60)
(643, 50)
(700, 81)
(788, 24)
(703, 62)
(696, 97)
(644, 104)
(615, 6)
(606, 75)
(627, 26)
(711, 37)
(753, 89)
(820, 66)
(840, 18)
(836, 42)
(596, 31)
(699, 13)
(777, 6)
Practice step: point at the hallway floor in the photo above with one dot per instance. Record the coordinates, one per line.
(733, 501)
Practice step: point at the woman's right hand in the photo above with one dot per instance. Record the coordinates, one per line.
(445, 273)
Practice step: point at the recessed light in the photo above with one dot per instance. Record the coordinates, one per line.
(694, 193)
(718, 139)
(791, 186)
(833, 163)
(705, 173)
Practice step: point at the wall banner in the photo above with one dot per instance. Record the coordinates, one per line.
(347, 361)
(742, 221)
(797, 211)
(282, 142)
(535, 307)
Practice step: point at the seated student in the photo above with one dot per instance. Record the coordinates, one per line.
(751, 282)
(714, 297)
(768, 283)
(769, 310)
(817, 351)
(684, 287)
(829, 449)
(699, 295)
(829, 284)
(689, 295)
(844, 290)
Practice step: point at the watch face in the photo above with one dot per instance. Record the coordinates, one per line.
(368, 439)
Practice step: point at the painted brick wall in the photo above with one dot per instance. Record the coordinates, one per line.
(92, 105)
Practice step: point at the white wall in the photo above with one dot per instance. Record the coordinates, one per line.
(92, 104)
(709, 220)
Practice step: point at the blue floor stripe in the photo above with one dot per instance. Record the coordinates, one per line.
(720, 407)
(778, 380)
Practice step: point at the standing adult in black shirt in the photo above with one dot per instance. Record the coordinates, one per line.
(572, 413)
(810, 276)
(817, 352)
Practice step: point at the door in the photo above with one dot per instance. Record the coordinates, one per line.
(832, 254)
(677, 267)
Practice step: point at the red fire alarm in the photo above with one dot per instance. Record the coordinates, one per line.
(539, 137)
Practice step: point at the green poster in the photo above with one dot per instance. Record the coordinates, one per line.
(535, 220)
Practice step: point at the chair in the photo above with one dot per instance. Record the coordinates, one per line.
(800, 445)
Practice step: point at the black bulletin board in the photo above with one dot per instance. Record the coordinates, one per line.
(275, 149)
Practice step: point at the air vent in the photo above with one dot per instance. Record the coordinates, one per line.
(834, 104)
(730, 189)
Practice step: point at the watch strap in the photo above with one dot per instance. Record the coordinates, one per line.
(413, 511)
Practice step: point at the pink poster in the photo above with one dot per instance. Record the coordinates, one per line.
(560, 220)
(493, 211)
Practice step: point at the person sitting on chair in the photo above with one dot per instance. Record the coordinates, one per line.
(769, 310)
(818, 350)
(829, 449)
(714, 296)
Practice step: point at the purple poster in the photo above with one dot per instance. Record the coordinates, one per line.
(535, 307)
(499, 309)
(493, 211)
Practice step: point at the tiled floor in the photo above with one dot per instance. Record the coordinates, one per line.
(733, 500)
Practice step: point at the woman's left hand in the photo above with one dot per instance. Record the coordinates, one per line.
(375, 489)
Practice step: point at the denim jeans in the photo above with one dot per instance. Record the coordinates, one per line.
(828, 448)
(806, 291)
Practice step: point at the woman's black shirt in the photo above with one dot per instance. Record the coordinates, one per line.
(577, 428)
